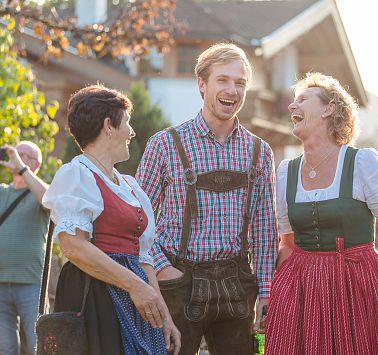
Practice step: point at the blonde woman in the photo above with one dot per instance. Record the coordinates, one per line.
(324, 297)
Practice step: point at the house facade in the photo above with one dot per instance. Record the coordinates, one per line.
(283, 39)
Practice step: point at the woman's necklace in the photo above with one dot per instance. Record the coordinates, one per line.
(110, 175)
(312, 173)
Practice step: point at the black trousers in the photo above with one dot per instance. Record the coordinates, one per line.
(216, 300)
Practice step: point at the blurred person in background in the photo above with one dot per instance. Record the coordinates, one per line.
(22, 248)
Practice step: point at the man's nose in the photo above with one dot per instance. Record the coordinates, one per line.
(231, 88)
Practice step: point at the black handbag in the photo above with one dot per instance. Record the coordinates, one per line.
(60, 333)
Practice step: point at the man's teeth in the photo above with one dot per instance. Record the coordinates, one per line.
(227, 102)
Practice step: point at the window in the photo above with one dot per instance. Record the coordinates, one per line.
(151, 63)
(186, 59)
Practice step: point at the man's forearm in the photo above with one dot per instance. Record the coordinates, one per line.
(36, 185)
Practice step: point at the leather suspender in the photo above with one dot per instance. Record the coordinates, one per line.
(189, 177)
(204, 181)
(252, 174)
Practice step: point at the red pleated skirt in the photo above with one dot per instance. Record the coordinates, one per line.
(325, 303)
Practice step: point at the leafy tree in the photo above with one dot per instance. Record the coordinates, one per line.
(146, 120)
(23, 110)
(138, 26)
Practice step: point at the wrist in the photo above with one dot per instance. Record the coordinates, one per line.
(23, 170)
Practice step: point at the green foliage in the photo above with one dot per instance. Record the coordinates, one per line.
(23, 111)
(146, 120)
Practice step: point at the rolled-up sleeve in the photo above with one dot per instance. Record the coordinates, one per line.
(264, 226)
(150, 176)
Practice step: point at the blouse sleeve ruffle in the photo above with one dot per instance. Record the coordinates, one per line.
(366, 178)
(74, 199)
(284, 226)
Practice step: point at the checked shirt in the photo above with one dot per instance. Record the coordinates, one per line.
(215, 233)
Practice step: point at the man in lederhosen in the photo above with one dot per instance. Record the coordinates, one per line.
(216, 230)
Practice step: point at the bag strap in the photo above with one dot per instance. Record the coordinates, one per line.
(46, 274)
(12, 206)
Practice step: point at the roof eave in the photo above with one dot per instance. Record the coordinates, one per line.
(291, 30)
(286, 34)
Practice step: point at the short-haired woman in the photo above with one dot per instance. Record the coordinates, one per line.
(105, 226)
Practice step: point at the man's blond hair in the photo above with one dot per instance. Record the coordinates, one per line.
(220, 53)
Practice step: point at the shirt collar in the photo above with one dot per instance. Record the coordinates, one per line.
(204, 129)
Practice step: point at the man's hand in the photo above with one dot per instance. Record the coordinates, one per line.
(260, 303)
(15, 163)
(285, 249)
(169, 273)
(172, 336)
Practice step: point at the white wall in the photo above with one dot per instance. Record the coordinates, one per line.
(285, 69)
(369, 124)
(179, 99)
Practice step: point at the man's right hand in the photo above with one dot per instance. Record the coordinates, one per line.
(169, 273)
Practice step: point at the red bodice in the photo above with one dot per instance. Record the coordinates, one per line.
(118, 228)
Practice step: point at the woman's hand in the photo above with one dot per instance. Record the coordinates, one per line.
(148, 303)
(172, 336)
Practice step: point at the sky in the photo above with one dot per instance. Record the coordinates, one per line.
(361, 25)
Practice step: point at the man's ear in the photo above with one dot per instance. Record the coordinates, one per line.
(201, 85)
(34, 166)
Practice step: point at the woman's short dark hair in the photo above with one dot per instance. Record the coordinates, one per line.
(88, 108)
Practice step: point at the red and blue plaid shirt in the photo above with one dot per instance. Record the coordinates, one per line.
(215, 233)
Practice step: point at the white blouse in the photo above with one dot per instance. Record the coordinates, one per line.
(365, 185)
(75, 200)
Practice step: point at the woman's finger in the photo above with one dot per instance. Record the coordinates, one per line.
(158, 319)
(149, 317)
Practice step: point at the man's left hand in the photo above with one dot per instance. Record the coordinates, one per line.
(15, 163)
(260, 303)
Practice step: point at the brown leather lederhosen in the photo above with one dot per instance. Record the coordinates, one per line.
(218, 181)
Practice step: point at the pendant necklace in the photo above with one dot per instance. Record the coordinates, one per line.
(312, 173)
(112, 177)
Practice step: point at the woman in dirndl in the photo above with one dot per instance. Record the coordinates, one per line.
(105, 226)
(324, 297)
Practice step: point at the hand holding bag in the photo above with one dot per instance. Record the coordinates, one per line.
(60, 333)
